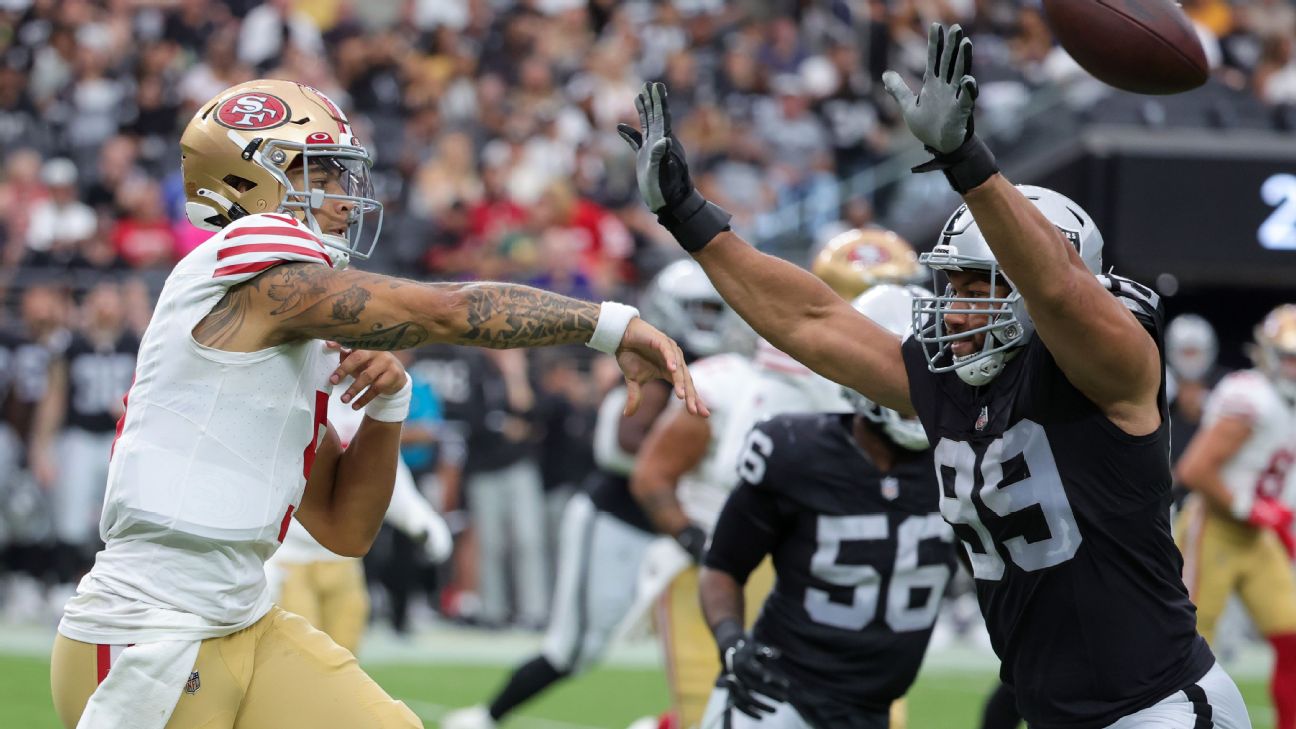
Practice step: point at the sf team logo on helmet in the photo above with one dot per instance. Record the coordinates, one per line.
(253, 111)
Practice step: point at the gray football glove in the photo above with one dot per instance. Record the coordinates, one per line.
(661, 170)
(940, 116)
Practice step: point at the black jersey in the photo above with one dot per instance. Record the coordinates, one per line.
(97, 379)
(862, 559)
(1066, 521)
(610, 493)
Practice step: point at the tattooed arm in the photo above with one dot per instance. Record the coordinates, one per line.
(295, 301)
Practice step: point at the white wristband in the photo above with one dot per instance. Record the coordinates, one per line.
(392, 408)
(613, 320)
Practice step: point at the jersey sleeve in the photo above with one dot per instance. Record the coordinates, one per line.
(745, 532)
(1143, 301)
(1240, 395)
(259, 242)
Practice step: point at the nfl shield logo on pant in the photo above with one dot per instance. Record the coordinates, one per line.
(193, 684)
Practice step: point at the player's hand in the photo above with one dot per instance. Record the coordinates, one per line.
(1270, 513)
(661, 169)
(375, 373)
(752, 676)
(940, 116)
(645, 354)
(438, 543)
(660, 165)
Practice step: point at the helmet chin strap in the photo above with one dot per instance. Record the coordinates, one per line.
(982, 371)
(338, 249)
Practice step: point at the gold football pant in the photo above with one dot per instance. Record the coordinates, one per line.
(279, 673)
(331, 595)
(1223, 556)
(692, 660)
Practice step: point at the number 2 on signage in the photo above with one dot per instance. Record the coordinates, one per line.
(1278, 231)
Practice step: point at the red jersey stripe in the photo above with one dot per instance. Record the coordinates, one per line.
(103, 661)
(283, 527)
(245, 268)
(284, 218)
(231, 251)
(274, 230)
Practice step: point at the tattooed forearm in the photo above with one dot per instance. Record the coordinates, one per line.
(401, 336)
(368, 311)
(503, 316)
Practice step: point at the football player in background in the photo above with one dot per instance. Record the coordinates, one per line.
(76, 421)
(1191, 351)
(1041, 383)
(605, 534)
(1236, 528)
(687, 467)
(225, 436)
(848, 507)
(328, 589)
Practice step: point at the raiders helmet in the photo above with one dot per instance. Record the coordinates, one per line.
(963, 248)
(1274, 351)
(682, 302)
(1191, 346)
(890, 307)
(249, 150)
(852, 261)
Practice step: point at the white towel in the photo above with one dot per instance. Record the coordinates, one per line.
(142, 686)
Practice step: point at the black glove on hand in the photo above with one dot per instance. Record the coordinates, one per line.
(693, 539)
(750, 673)
(663, 175)
(940, 116)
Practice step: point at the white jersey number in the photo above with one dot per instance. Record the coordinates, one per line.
(1040, 489)
(906, 576)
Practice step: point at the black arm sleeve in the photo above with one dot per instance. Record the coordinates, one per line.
(746, 531)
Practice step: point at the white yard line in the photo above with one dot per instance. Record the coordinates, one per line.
(431, 712)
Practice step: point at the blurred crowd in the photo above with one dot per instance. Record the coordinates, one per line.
(492, 128)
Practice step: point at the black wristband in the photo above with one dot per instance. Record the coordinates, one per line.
(727, 635)
(694, 221)
(966, 167)
(693, 539)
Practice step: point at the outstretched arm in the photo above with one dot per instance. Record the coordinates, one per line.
(295, 301)
(800, 315)
(1070, 308)
(788, 306)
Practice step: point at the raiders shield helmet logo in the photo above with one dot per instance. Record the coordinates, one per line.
(193, 684)
(253, 111)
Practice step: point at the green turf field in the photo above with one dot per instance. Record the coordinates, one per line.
(608, 698)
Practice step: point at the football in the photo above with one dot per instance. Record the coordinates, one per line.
(1143, 46)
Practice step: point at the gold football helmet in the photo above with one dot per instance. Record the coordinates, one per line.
(859, 258)
(250, 149)
(1275, 348)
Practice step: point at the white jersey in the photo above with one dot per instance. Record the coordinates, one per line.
(211, 459)
(608, 453)
(740, 393)
(1263, 464)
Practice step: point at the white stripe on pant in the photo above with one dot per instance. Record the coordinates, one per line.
(598, 568)
(1223, 706)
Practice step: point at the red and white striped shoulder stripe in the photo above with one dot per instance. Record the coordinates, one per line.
(265, 242)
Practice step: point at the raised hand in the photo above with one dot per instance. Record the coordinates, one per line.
(376, 373)
(940, 116)
(661, 170)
